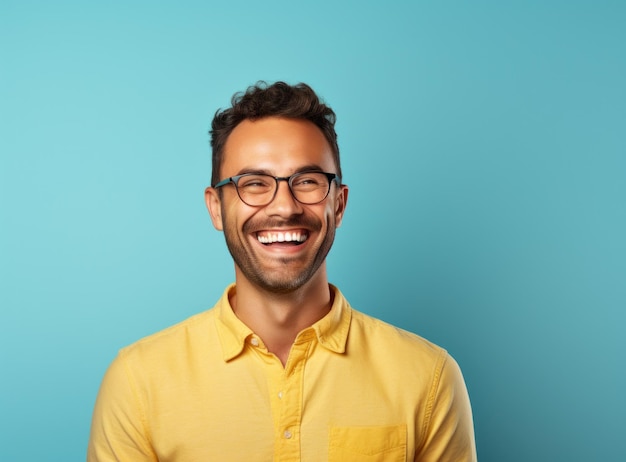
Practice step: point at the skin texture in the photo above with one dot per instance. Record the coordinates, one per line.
(281, 288)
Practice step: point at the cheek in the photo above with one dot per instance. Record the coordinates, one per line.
(236, 218)
(328, 219)
(332, 213)
(229, 218)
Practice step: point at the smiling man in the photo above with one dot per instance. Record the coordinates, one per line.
(282, 368)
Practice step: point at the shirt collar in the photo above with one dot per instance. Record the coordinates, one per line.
(331, 330)
(230, 330)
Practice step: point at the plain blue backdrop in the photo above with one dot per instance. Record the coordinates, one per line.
(483, 141)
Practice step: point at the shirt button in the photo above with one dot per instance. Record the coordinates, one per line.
(280, 395)
(254, 341)
(287, 434)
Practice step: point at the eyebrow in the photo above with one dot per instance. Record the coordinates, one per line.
(304, 168)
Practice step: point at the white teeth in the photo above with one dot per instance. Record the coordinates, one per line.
(292, 236)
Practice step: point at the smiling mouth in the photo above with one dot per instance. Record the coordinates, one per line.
(272, 237)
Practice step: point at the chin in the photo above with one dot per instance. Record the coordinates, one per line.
(280, 285)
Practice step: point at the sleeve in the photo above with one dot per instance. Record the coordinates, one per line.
(118, 426)
(449, 429)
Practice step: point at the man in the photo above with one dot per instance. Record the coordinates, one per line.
(282, 368)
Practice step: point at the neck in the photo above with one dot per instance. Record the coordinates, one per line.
(277, 318)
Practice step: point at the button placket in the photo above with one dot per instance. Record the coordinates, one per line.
(289, 400)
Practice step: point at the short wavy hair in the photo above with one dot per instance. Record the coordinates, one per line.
(276, 100)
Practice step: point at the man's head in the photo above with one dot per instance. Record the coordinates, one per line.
(276, 100)
(278, 195)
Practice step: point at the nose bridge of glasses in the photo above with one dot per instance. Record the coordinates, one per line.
(282, 202)
(287, 180)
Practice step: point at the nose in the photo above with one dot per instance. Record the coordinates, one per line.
(283, 204)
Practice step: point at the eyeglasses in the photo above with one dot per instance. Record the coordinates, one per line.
(258, 190)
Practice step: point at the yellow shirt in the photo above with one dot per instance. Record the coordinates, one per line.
(353, 389)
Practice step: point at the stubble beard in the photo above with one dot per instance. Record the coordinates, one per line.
(278, 281)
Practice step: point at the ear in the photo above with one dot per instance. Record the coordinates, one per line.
(214, 206)
(341, 200)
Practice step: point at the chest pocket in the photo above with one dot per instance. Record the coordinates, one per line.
(367, 444)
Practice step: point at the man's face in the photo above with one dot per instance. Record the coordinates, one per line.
(299, 235)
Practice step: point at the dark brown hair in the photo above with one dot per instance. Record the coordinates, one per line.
(278, 100)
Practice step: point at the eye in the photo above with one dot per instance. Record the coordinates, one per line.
(308, 180)
(255, 182)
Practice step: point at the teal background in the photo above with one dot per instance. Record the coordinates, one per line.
(483, 141)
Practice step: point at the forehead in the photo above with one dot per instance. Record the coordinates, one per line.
(277, 145)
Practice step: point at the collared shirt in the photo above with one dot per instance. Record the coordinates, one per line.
(353, 389)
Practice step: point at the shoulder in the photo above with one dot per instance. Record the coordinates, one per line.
(413, 367)
(174, 340)
(397, 351)
(379, 333)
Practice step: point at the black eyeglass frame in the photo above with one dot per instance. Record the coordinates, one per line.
(234, 180)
